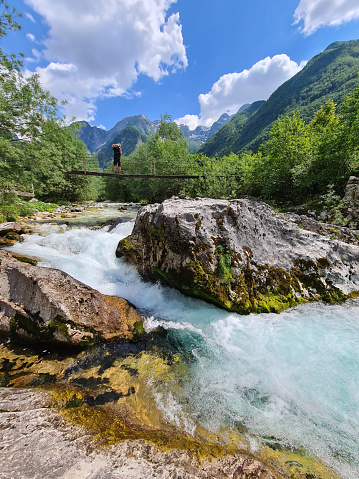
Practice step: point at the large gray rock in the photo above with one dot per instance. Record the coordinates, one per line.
(43, 304)
(37, 443)
(240, 255)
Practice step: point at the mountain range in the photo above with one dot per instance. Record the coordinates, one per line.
(332, 74)
(134, 129)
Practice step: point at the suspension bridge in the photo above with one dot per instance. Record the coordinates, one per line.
(154, 169)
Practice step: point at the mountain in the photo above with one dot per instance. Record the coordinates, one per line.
(222, 120)
(92, 136)
(129, 137)
(95, 138)
(195, 137)
(332, 74)
(220, 143)
(201, 134)
(141, 122)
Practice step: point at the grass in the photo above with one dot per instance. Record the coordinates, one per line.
(12, 208)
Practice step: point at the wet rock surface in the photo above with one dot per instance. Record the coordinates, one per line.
(240, 255)
(47, 305)
(36, 442)
(11, 232)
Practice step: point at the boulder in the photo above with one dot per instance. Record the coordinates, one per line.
(240, 255)
(11, 227)
(10, 233)
(47, 305)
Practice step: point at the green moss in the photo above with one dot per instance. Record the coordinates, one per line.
(126, 249)
(224, 266)
(255, 289)
(12, 235)
(57, 328)
(323, 263)
(25, 259)
(138, 327)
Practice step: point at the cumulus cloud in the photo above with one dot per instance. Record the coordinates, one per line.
(318, 13)
(233, 90)
(98, 48)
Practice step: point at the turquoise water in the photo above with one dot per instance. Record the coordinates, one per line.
(293, 376)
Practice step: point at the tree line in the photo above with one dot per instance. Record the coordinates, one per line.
(300, 161)
(36, 144)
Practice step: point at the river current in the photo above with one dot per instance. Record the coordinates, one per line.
(293, 376)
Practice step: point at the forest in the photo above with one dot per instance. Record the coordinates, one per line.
(303, 161)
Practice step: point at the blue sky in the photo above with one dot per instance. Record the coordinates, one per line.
(192, 59)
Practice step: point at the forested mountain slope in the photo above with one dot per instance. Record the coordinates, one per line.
(331, 74)
(220, 143)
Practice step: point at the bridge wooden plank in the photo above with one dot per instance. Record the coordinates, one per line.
(125, 175)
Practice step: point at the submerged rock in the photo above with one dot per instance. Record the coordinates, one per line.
(48, 305)
(239, 255)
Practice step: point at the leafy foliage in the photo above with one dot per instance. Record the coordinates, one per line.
(36, 147)
(165, 152)
(300, 161)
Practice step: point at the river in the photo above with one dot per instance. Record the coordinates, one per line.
(293, 376)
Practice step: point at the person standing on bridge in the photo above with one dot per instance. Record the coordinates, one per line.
(117, 152)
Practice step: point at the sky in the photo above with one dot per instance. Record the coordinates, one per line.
(191, 59)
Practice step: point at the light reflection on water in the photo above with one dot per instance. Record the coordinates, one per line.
(293, 376)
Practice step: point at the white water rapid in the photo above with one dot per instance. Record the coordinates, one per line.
(293, 376)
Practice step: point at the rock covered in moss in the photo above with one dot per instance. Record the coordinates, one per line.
(239, 255)
(11, 232)
(48, 305)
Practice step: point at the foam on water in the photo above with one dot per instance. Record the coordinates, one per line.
(293, 376)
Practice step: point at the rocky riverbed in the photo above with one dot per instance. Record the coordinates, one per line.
(109, 410)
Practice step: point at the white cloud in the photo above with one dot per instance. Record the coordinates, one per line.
(36, 56)
(30, 17)
(108, 44)
(318, 13)
(233, 90)
(31, 37)
(192, 121)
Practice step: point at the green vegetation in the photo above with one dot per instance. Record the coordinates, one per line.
(220, 143)
(330, 75)
(165, 152)
(301, 161)
(36, 146)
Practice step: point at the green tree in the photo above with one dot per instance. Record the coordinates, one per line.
(165, 153)
(36, 147)
(287, 157)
